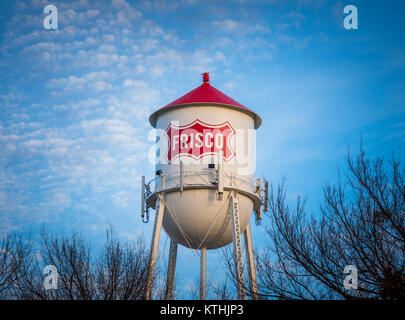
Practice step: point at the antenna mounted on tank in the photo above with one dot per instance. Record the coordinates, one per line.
(144, 206)
(259, 191)
(266, 196)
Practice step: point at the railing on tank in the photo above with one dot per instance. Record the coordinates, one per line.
(204, 180)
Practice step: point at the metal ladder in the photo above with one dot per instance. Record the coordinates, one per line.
(237, 245)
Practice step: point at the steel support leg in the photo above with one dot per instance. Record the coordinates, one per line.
(154, 247)
(203, 273)
(251, 262)
(171, 270)
(237, 246)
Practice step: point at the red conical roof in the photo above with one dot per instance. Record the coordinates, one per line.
(205, 94)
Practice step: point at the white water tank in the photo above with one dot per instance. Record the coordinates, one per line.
(193, 132)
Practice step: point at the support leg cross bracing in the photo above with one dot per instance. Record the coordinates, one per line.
(237, 245)
(154, 247)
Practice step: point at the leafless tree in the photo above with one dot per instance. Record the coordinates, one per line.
(13, 252)
(193, 290)
(117, 272)
(224, 290)
(361, 223)
(121, 269)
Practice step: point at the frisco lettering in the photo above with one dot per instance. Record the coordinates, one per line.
(192, 139)
(199, 139)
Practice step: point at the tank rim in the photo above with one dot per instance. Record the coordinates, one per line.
(154, 116)
(151, 200)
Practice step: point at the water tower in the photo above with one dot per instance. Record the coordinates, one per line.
(204, 191)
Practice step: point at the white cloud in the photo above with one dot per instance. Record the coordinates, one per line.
(60, 201)
(93, 80)
(100, 86)
(231, 25)
(149, 44)
(33, 143)
(108, 67)
(107, 48)
(121, 198)
(108, 37)
(229, 85)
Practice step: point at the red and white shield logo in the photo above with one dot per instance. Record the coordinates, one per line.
(199, 139)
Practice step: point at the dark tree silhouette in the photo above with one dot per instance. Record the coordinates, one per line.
(13, 253)
(118, 272)
(361, 223)
(224, 290)
(121, 270)
(221, 290)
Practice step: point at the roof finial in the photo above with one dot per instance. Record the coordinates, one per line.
(206, 77)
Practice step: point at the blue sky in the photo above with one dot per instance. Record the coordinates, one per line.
(74, 102)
